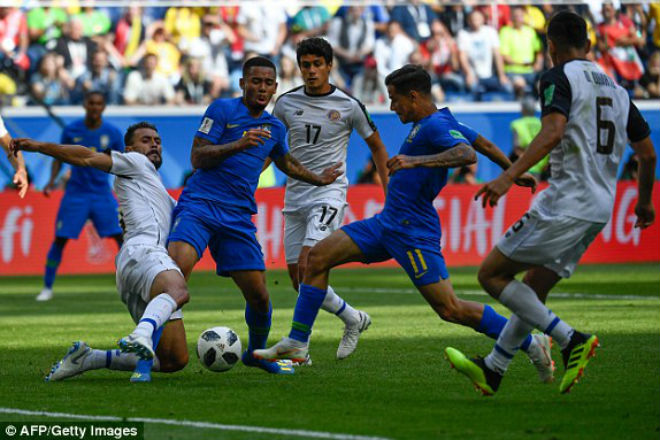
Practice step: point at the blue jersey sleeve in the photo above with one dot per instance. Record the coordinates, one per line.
(65, 138)
(213, 122)
(281, 146)
(117, 141)
(443, 136)
(468, 132)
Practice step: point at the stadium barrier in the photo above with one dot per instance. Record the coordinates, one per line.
(469, 231)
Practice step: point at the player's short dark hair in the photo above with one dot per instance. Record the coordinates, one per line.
(257, 62)
(314, 46)
(130, 131)
(568, 30)
(410, 77)
(91, 93)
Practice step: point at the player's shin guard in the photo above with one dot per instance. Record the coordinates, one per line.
(258, 326)
(492, 324)
(53, 260)
(309, 302)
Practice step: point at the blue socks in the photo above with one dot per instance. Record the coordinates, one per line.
(258, 327)
(309, 301)
(144, 367)
(492, 324)
(52, 263)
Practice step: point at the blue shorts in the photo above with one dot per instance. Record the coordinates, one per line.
(77, 208)
(229, 234)
(419, 257)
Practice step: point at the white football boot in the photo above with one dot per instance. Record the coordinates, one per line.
(140, 345)
(287, 348)
(351, 336)
(71, 364)
(540, 355)
(46, 294)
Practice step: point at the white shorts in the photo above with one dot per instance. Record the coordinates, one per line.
(307, 226)
(137, 268)
(555, 242)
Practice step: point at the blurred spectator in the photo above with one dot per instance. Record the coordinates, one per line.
(194, 87)
(44, 28)
(376, 12)
(130, 32)
(522, 52)
(51, 84)
(289, 75)
(523, 130)
(415, 18)
(75, 49)
(391, 52)
(654, 16)
(617, 39)
(496, 15)
(479, 49)
(310, 21)
(14, 39)
(453, 17)
(101, 78)
(368, 174)
(352, 38)
(183, 25)
(441, 53)
(211, 47)
(94, 21)
(649, 83)
(167, 54)
(262, 25)
(146, 86)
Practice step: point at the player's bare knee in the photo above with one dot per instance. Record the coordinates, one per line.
(316, 263)
(174, 362)
(485, 277)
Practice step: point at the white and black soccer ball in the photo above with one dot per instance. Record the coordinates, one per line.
(219, 348)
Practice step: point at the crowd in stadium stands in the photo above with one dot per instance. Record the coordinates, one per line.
(191, 55)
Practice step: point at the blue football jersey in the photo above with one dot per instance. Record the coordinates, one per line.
(410, 193)
(234, 181)
(106, 137)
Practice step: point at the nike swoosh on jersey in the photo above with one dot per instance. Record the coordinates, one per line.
(421, 274)
(232, 125)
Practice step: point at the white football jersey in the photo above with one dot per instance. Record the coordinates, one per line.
(600, 120)
(319, 128)
(144, 203)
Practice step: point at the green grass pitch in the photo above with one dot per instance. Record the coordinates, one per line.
(396, 385)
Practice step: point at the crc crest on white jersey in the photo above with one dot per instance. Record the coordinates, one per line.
(319, 128)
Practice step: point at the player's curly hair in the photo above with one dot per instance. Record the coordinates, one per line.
(314, 46)
(130, 131)
(567, 29)
(410, 77)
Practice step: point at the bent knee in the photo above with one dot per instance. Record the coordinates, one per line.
(170, 364)
(316, 263)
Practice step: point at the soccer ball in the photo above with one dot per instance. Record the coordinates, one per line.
(219, 348)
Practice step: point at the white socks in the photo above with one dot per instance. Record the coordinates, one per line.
(158, 311)
(334, 304)
(512, 336)
(113, 360)
(522, 300)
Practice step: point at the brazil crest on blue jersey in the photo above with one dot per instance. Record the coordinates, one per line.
(410, 193)
(234, 181)
(106, 137)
